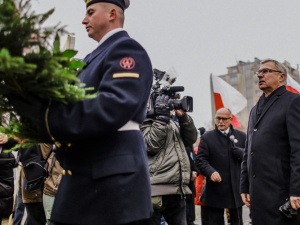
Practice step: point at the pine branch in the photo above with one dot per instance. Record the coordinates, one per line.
(29, 65)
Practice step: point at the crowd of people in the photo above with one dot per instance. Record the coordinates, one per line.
(119, 158)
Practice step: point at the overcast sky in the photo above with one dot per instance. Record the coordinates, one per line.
(197, 37)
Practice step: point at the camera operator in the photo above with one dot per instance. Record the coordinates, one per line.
(166, 133)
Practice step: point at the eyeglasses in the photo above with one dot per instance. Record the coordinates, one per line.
(266, 70)
(223, 118)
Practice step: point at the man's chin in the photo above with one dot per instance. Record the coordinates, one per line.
(262, 86)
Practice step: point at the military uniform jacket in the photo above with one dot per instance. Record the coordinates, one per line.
(106, 177)
(215, 154)
(271, 165)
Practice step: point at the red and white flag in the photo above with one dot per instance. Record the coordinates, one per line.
(292, 85)
(224, 95)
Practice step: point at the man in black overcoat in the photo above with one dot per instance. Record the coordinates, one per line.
(271, 165)
(219, 159)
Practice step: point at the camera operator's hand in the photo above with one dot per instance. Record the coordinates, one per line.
(179, 112)
(162, 111)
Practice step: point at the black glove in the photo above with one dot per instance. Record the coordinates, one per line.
(28, 106)
(161, 107)
(237, 152)
(287, 210)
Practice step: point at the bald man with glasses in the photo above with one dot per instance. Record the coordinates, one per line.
(271, 165)
(219, 158)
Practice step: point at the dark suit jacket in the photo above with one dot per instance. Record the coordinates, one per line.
(215, 154)
(271, 165)
(106, 172)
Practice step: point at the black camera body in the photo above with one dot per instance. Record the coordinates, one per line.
(185, 104)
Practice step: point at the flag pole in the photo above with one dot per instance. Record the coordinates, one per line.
(70, 43)
(213, 106)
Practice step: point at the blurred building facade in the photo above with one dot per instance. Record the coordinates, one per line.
(243, 78)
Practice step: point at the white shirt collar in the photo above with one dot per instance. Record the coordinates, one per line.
(109, 34)
(226, 131)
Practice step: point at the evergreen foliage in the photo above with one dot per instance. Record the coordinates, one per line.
(29, 65)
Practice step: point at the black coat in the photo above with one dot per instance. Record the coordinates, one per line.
(271, 165)
(215, 154)
(7, 164)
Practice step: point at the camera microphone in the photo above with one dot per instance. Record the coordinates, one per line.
(171, 91)
(176, 88)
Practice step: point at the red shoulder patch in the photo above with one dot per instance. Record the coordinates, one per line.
(127, 63)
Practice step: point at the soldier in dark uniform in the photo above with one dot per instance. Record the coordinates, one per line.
(106, 179)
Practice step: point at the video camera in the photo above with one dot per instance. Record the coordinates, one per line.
(166, 79)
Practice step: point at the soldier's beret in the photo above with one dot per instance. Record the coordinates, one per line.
(123, 4)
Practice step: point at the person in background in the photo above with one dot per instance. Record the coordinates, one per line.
(219, 159)
(7, 164)
(271, 165)
(168, 161)
(33, 199)
(190, 206)
(19, 205)
(200, 183)
(55, 173)
(101, 146)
